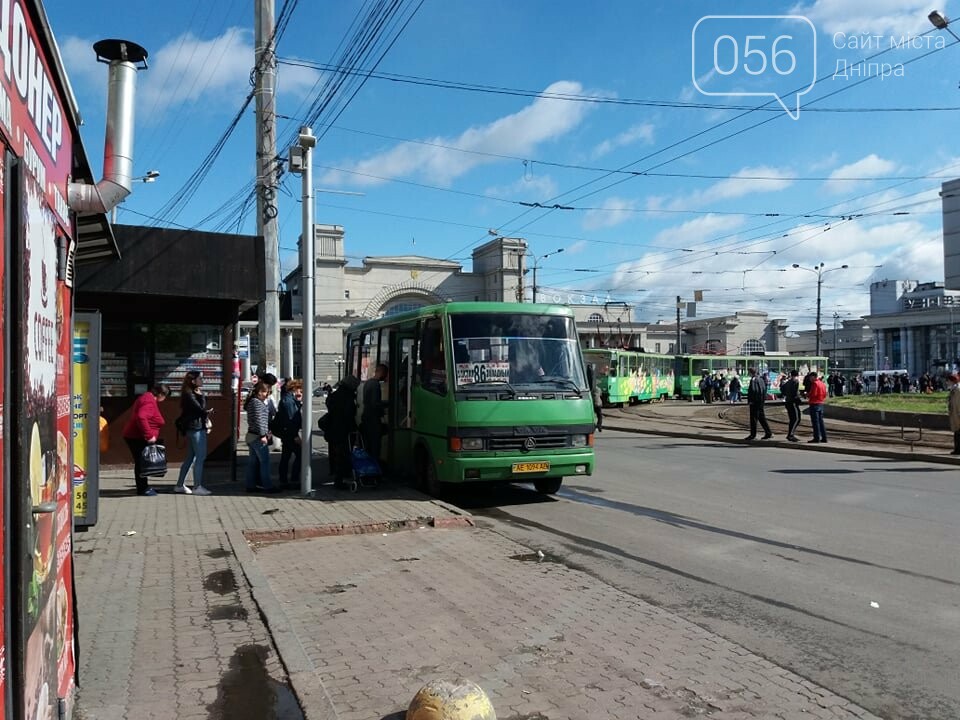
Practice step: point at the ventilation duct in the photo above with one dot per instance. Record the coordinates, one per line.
(124, 59)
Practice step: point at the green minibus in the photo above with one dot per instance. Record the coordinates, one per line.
(479, 392)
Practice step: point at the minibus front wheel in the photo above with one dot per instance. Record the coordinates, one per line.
(548, 486)
(427, 480)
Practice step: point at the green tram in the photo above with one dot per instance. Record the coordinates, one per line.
(630, 377)
(480, 391)
(627, 377)
(691, 368)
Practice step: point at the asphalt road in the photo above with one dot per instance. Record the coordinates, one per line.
(844, 569)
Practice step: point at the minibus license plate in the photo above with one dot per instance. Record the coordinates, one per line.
(529, 467)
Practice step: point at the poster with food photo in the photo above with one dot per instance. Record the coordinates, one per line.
(4, 309)
(39, 353)
(63, 621)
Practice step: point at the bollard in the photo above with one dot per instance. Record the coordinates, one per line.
(450, 700)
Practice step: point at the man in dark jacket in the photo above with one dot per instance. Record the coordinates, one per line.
(790, 390)
(756, 397)
(373, 407)
(337, 425)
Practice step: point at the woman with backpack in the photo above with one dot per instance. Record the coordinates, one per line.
(286, 426)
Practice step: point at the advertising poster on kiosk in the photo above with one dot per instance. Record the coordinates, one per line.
(41, 665)
(4, 480)
(86, 418)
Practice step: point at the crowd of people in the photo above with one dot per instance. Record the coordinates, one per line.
(719, 387)
(266, 420)
(812, 389)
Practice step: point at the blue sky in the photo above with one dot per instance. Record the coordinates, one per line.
(729, 200)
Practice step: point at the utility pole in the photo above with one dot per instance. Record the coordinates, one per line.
(265, 89)
(678, 350)
(301, 161)
(520, 274)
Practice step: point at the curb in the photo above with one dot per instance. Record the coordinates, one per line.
(837, 449)
(305, 681)
(358, 528)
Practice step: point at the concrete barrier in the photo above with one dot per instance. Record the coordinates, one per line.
(928, 421)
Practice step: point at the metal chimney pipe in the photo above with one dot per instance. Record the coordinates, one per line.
(124, 59)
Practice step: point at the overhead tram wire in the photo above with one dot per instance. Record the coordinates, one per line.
(575, 97)
(714, 142)
(589, 168)
(367, 39)
(737, 246)
(723, 138)
(159, 148)
(736, 133)
(183, 195)
(689, 138)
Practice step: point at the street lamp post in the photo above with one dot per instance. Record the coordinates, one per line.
(836, 318)
(150, 177)
(820, 272)
(536, 261)
(339, 362)
(301, 162)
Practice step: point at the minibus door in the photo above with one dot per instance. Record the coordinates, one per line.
(401, 382)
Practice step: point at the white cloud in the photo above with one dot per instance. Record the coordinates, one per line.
(187, 69)
(641, 131)
(538, 188)
(824, 163)
(740, 184)
(745, 182)
(577, 247)
(871, 166)
(695, 232)
(868, 17)
(613, 211)
(518, 134)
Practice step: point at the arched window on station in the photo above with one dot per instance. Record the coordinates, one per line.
(400, 305)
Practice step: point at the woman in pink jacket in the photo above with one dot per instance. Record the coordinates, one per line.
(142, 429)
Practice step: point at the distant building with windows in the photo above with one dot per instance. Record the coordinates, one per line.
(914, 326)
(347, 292)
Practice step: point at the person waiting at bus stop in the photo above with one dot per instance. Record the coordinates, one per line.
(372, 412)
(337, 425)
(756, 397)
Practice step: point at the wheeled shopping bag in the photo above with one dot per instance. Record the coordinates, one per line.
(365, 469)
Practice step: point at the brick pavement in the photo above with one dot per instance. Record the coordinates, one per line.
(379, 615)
(169, 629)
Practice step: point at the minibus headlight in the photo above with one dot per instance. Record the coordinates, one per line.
(578, 440)
(459, 444)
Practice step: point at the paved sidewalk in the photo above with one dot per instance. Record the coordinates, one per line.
(188, 610)
(377, 616)
(168, 626)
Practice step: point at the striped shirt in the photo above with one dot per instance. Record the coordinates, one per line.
(258, 416)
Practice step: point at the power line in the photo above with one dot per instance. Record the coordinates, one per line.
(576, 97)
